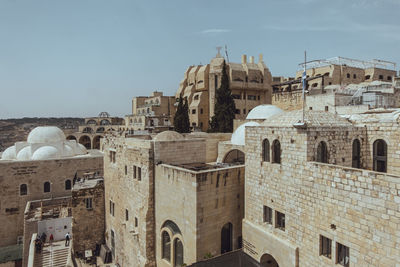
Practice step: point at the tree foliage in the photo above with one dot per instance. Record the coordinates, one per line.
(224, 111)
(181, 118)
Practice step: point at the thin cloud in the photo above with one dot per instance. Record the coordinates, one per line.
(214, 31)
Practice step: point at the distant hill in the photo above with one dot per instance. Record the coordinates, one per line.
(15, 130)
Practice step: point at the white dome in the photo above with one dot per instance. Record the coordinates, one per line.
(263, 112)
(81, 149)
(239, 134)
(9, 153)
(24, 154)
(46, 134)
(168, 136)
(68, 151)
(46, 152)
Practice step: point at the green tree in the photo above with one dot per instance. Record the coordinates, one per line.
(181, 118)
(224, 111)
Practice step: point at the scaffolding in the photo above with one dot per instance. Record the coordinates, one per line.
(343, 61)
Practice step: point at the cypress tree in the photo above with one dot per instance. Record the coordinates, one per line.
(224, 111)
(181, 118)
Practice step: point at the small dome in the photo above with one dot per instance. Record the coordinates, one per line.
(81, 149)
(46, 134)
(46, 152)
(68, 151)
(24, 154)
(239, 134)
(168, 136)
(263, 112)
(9, 153)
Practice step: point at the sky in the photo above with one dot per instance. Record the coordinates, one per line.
(77, 58)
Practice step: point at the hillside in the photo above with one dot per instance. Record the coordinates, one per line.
(14, 130)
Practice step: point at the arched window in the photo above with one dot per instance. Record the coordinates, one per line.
(46, 187)
(178, 255)
(322, 152)
(356, 156)
(265, 150)
(166, 246)
(276, 151)
(380, 156)
(68, 185)
(23, 190)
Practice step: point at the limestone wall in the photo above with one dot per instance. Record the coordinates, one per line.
(134, 243)
(199, 207)
(34, 174)
(354, 207)
(88, 223)
(287, 100)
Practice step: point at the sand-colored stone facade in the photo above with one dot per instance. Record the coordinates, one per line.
(58, 173)
(156, 180)
(250, 83)
(357, 208)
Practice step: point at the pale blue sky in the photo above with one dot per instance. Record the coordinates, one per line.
(80, 57)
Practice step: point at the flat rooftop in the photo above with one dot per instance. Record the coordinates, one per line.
(198, 167)
(87, 183)
(48, 209)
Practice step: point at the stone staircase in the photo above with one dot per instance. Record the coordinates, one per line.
(52, 255)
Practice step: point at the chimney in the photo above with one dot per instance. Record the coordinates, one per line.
(260, 58)
(244, 59)
(252, 59)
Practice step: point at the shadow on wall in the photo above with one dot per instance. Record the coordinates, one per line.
(235, 258)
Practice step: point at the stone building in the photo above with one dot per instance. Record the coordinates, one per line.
(338, 71)
(323, 193)
(250, 84)
(164, 205)
(87, 208)
(94, 129)
(153, 113)
(43, 167)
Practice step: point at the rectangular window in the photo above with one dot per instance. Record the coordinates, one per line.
(217, 184)
(237, 111)
(126, 170)
(267, 215)
(112, 156)
(89, 203)
(134, 171)
(244, 111)
(112, 207)
(236, 96)
(251, 97)
(139, 173)
(280, 220)
(193, 111)
(201, 111)
(326, 108)
(325, 246)
(136, 222)
(126, 215)
(342, 255)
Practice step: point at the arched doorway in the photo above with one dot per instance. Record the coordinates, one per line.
(226, 238)
(268, 261)
(71, 137)
(96, 142)
(85, 140)
(234, 156)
